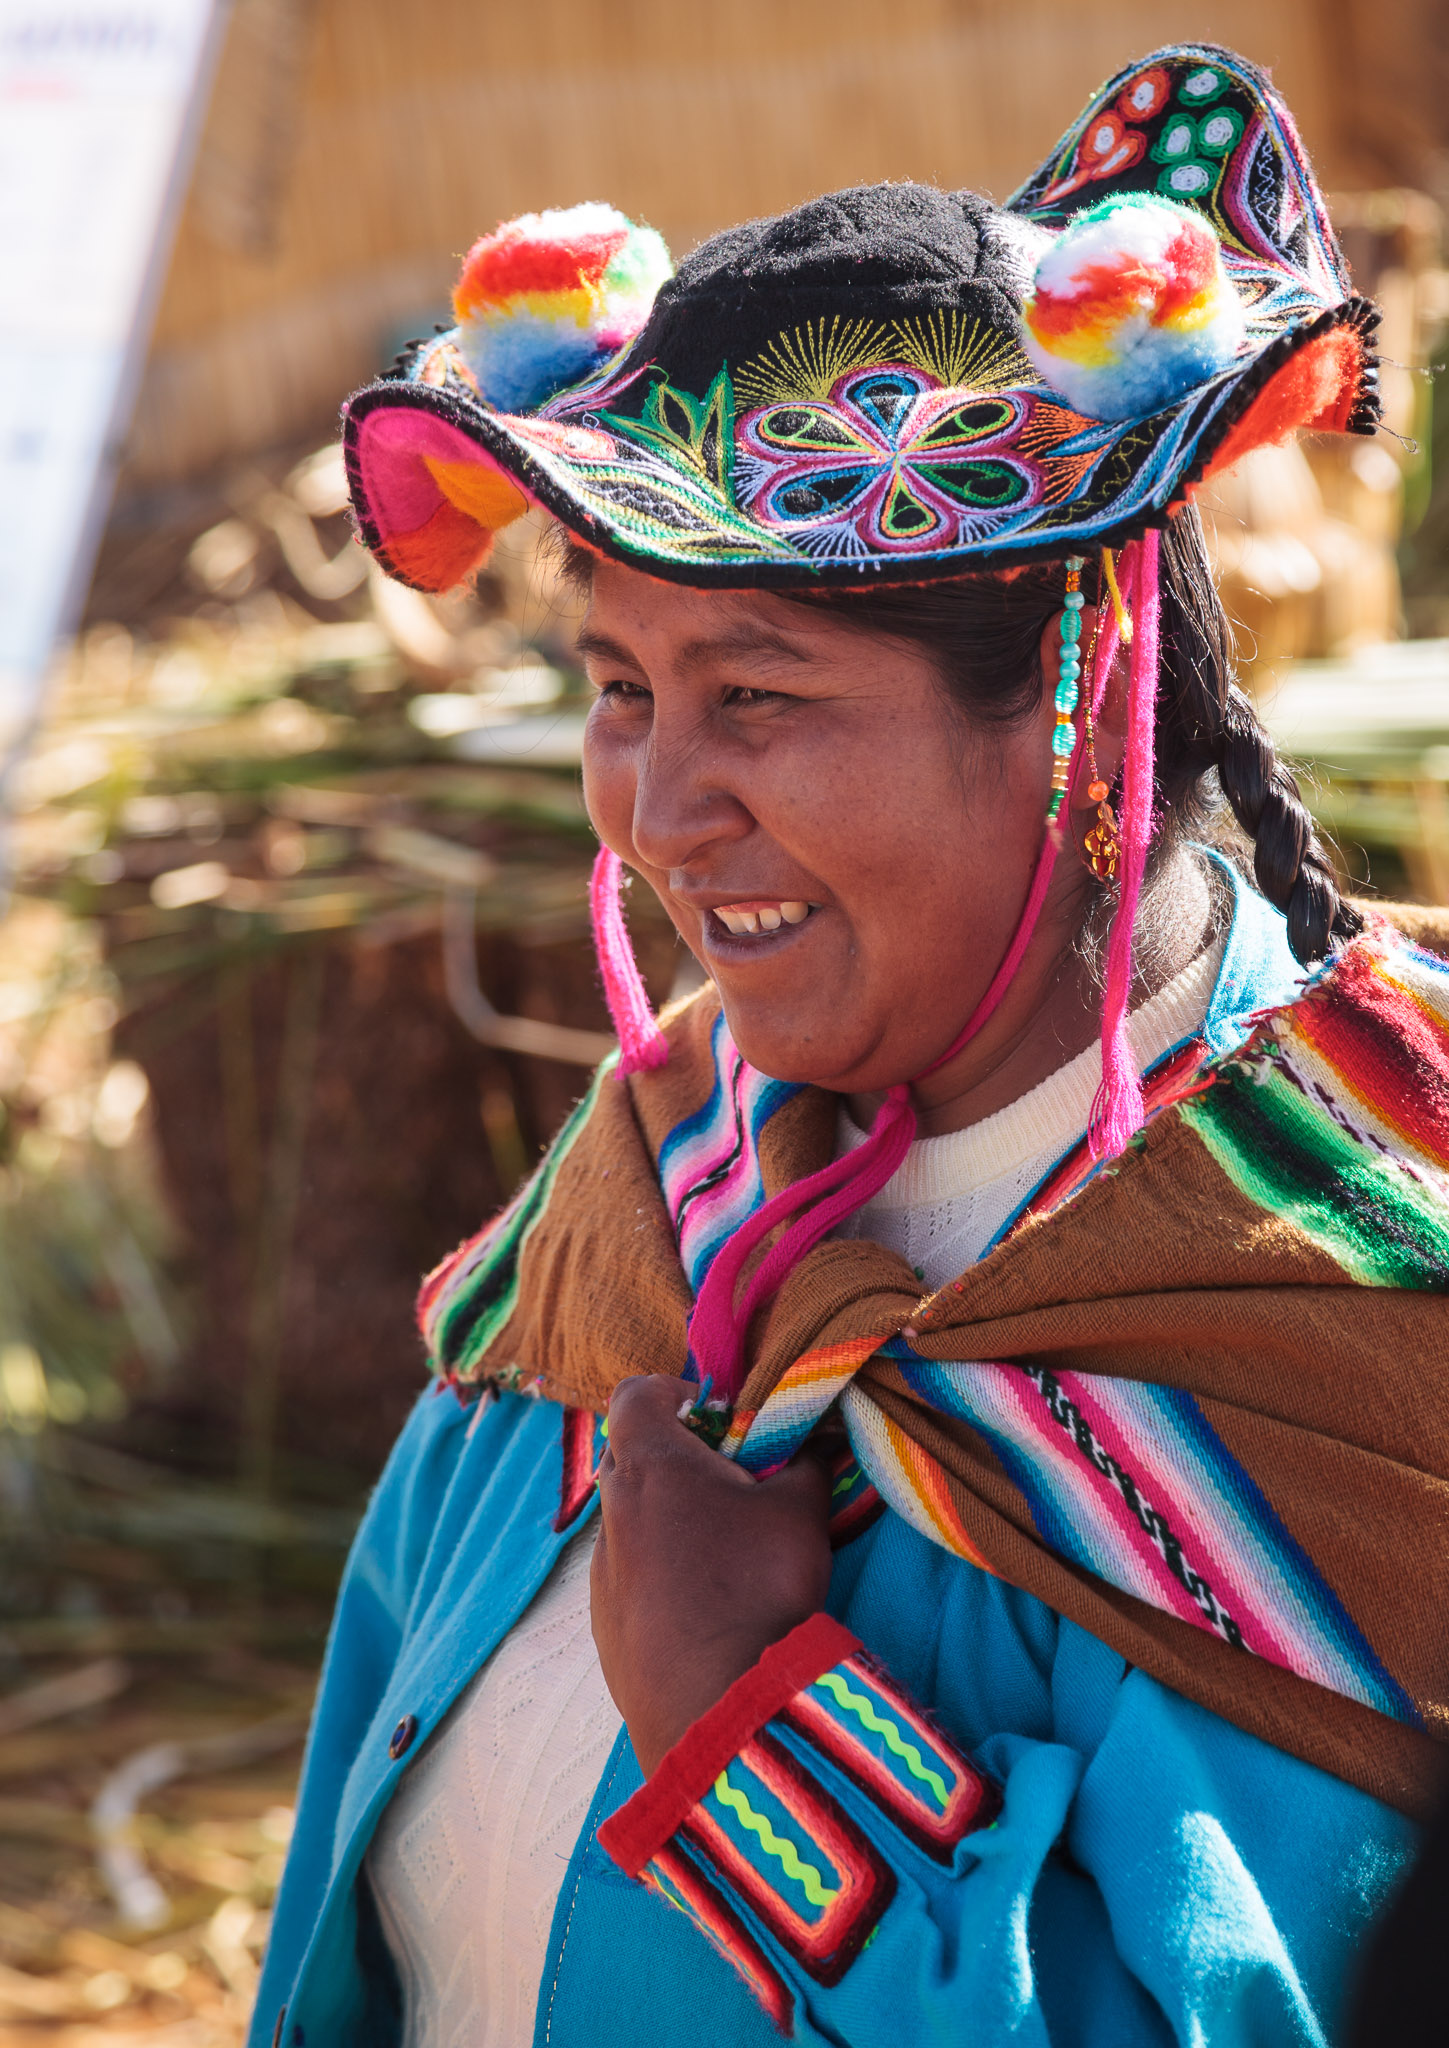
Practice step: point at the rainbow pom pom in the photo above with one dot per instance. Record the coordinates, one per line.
(548, 297)
(1131, 308)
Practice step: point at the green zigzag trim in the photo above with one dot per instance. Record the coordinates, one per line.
(785, 1852)
(858, 1704)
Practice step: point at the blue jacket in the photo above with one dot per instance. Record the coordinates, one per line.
(1153, 1875)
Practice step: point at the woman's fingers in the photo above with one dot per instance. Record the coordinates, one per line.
(646, 1403)
(645, 1432)
(638, 1410)
(698, 1565)
(805, 1481)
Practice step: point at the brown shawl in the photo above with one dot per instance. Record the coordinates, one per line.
(1191, 1402)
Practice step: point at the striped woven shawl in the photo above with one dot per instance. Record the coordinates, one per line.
(1191, 1402)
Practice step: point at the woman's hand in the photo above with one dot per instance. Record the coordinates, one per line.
(698, 1566)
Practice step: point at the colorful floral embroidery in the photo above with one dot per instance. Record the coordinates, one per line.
(893, 462)
(1198, 129)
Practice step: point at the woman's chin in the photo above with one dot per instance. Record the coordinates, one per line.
(796, 1045)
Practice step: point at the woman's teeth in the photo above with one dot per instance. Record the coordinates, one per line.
(763, 917)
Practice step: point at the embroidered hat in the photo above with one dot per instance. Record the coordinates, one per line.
(891, 380)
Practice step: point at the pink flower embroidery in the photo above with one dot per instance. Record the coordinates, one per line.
(890, 462)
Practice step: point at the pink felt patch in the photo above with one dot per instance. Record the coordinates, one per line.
(1315, 389)
(392, 442)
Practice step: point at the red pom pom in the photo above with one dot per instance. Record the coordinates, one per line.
(509, 261)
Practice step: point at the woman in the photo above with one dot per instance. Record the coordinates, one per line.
(997, 1626)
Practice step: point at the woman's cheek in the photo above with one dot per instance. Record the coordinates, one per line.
(608, 779)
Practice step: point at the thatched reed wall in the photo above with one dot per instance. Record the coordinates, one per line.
(355, 147)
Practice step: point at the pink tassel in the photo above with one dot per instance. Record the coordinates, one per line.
(1118, 1111)
(641, 1043)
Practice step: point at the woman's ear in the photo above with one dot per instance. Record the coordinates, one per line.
(1110, 724)
(1111, 720)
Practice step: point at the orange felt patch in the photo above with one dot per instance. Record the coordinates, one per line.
(440, 553)
(1315, 388)
(479, 490)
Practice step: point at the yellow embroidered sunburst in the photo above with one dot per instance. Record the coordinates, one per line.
(808, 362)
(964, 354)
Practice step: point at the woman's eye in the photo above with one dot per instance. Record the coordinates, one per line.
(621, 692)
(744, 699)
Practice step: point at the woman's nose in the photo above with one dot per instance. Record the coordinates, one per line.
(683, 805)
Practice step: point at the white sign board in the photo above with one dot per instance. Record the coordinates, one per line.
(99, 102)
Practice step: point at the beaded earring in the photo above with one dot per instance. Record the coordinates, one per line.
(1101, 844)
(1064, 736)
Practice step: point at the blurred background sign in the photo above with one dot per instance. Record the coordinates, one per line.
(96, 105)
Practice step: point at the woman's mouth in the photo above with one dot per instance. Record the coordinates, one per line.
(759, 916)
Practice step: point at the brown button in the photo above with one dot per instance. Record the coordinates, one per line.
(402, 1736)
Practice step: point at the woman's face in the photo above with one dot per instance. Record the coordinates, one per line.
(844, 853)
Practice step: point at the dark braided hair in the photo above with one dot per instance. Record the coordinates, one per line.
(1206, 723)
(985, 632)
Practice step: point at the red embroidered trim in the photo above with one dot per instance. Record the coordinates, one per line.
(580, 1467)
(973, 1801)
(864, 1882)
(634, 1834)
(722, 1925)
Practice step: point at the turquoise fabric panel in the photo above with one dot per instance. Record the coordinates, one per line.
(626, 1970)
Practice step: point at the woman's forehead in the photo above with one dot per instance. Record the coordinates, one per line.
(629, 612)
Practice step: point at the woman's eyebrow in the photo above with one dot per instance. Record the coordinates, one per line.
(741, 643)
(602, 647)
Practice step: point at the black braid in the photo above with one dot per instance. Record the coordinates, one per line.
(1205, 721)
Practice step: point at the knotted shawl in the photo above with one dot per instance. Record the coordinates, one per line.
(1197, 1401)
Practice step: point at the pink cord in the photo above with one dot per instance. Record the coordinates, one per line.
(641, 1042)
(718, 1325)
(1118, 1111)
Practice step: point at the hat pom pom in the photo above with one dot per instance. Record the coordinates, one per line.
(1131, 307)
(547, 298)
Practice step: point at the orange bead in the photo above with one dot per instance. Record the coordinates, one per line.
(1097, 791)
